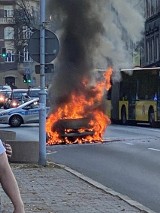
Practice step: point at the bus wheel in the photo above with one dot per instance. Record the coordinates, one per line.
(123, 116)
(151, 118)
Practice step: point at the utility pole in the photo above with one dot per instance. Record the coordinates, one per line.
(42, 95)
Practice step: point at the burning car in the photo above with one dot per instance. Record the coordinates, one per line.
(83, 118)
(73, 130)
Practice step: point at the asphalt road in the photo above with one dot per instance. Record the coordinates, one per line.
(128, 162)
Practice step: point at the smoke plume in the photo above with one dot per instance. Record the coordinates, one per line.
(92, 34)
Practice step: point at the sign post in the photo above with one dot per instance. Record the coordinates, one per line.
(42, 98)
(43, 48)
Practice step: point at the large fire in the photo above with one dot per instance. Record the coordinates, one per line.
(92, 120)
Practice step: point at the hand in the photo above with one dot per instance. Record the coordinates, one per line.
(8, 150)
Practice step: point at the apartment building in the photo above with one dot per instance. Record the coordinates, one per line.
(17, 62)
(152, 34)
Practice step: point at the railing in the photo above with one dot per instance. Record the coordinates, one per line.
(7, 20)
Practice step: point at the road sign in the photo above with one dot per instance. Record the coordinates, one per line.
(48, 68)
(51, 46)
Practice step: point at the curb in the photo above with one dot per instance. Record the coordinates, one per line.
(106, 189)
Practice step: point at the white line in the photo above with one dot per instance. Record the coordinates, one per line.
(49, 153)
(129, 144)
(158, 150)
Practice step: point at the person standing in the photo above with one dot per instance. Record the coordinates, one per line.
(8, 180)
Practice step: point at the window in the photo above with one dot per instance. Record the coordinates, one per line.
(26, 55)
(148, 8)
(8, 11)
(154, 6)
(10, 56)
(152, 49)
(157, 47)
(8, 33)
(26, 32)
(147, 51)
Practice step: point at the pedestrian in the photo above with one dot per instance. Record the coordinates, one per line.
(8, 180)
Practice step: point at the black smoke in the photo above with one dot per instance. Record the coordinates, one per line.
(93, 34)
(80, 29)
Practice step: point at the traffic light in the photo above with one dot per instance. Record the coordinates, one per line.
(24, 78)
(28, 78)
(3, 52)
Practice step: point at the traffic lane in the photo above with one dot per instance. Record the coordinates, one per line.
(131, 170)
(125, 131)
(27, 132)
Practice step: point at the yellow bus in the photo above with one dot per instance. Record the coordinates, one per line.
(137, 96)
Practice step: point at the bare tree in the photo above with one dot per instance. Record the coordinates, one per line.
(26, 21)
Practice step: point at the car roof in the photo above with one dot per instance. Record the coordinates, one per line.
(19, 90)
(34, 89)
(5, 87)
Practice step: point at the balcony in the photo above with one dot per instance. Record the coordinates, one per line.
(7, 20)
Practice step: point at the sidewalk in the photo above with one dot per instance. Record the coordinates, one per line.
(59, 189)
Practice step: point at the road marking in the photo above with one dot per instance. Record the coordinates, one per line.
(129, 143)
(153, 149)
(49, 153)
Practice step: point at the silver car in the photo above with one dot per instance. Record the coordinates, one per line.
(25, 113)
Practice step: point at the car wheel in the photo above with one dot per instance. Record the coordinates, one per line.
(15, 121)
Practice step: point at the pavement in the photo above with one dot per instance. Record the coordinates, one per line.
(59, 189)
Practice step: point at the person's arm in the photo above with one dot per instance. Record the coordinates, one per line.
(9, 184)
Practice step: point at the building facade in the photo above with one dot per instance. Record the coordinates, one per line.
(16, 63)
(152, 34)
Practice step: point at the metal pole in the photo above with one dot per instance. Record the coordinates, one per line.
(42, 95)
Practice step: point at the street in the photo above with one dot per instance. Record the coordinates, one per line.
(131, 167)
(128, 162)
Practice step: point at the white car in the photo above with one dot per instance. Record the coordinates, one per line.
(25, 113)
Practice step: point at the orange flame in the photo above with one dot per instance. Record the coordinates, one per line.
(81, 106)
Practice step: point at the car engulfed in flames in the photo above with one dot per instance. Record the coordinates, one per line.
(82, 119)
(73, 130)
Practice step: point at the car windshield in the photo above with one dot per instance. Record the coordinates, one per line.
(33, 93)
(6, 93)
(18, 95)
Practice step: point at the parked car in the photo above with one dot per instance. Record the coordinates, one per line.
(4, 95)
(25, 113)
(5, 87)
(15, 98)
(34, 93)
